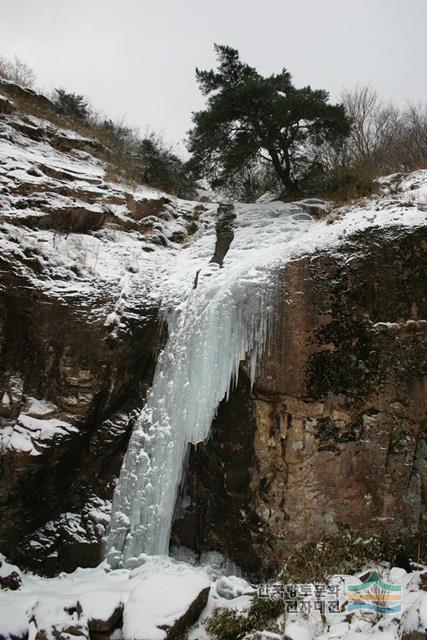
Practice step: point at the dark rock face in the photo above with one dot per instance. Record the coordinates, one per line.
(99, 629)
(224, 232)
(94, 383)
(219, 484)
(333, 436)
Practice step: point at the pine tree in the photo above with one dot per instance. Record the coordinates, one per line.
(73, 105)
(250, 117)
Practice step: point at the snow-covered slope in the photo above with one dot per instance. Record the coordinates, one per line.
(72, 232)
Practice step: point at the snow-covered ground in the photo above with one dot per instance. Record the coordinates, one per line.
(158, 593)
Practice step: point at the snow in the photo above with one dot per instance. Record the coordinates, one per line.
(32, 435)
(52, 616)
(298, 631)
(158, 593)
(161, 589)
(13, 615)
(39, 408)
(6, 568)
(96, 268)
(230, 587)
(166, 597)
(415, 618)
(99, 605)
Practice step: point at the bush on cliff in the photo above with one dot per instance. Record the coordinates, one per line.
(336, 554)
(72, 105)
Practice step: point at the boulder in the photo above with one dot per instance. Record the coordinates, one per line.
(144, 208)
(177, 630)
(6, 105)
(165, 605)
(10, 576)
(53, 620)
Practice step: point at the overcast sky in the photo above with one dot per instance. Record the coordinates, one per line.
(136, 58)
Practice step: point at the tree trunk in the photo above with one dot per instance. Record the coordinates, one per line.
(283, 172)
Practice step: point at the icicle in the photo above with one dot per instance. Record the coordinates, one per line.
(212, 328)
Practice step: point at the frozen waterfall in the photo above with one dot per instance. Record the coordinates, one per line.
(226, 318)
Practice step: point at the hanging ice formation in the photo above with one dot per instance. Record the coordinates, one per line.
(212, 327)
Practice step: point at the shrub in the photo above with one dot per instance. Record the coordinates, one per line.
(164, 169)
(146, 160)
(72, 105)
(229, 624)
(332, 554)
(345, 183)
(382, 140)
(131, 158)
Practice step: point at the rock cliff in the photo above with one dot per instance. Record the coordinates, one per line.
(332, 438)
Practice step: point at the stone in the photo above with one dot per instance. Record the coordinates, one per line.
(414, 635)
(11, 581)
(23, 93)
(182, 624)
(55, 621)
(224, 229)
(144, 208)
(231, 587)
(98, 627)
(6, 105)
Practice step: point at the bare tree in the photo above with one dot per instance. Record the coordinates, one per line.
(17, 71)
(374, 129)
(382, 138)
(411, 144)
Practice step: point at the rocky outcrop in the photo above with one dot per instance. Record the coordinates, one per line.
(61, 455)
(224, 232)
(186, 620)
(332, 438)
(79, 334)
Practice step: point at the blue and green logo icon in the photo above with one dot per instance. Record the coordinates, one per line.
(375, 595)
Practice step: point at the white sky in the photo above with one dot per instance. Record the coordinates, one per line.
(136, 58)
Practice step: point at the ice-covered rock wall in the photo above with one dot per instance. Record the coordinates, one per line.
(216, 317)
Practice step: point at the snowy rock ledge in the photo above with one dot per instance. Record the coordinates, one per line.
(157, 601)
